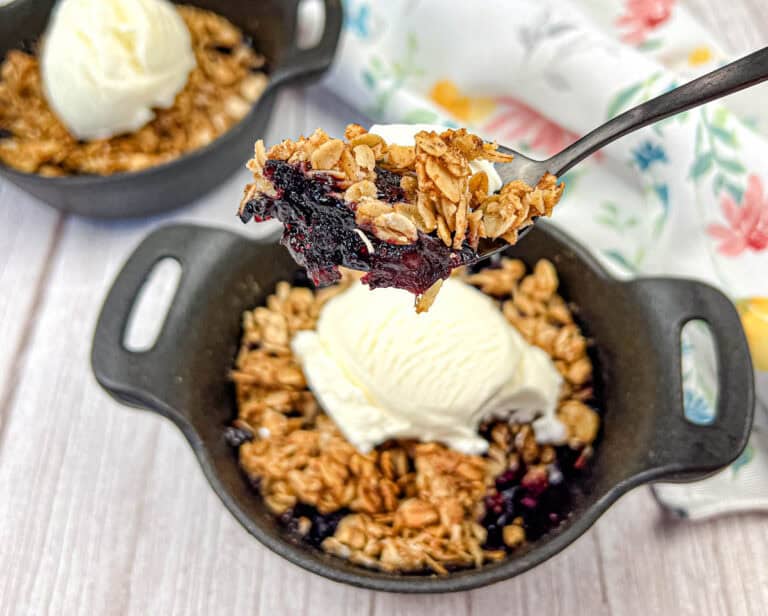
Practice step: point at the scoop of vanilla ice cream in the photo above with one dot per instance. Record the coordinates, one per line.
(382, 371)
(404, 134)
(106, 63)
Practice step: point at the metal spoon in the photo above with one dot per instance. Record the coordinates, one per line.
(747, 71)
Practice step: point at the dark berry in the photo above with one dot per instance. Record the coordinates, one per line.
(237, 436)
(539, 495)
(388, 186)
(535, 480)
(508, 478)
(508, 496)
(28, 46)
(255, 482)
(322, 526)
(581, 462)
(494, 503)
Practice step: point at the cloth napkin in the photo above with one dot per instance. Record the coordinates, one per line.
(686, 197)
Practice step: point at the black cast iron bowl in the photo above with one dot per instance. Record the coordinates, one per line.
(635, 325)
(272, 26)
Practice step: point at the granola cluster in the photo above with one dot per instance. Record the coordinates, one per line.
(405, 506)
(220, 91)
(442, 194)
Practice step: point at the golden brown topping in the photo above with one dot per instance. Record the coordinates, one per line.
(442, 194)
(415, 513)
(582, 422)
(395, 228)
(364, 157)
(426, 299)
(220, 91)
(401, 157)
(359, 191)
(326, 156)
(513, 535)
(414, 506)
(368, 210)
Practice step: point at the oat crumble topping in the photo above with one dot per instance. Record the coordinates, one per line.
(220, 91)
(408, 506)
(436, 194)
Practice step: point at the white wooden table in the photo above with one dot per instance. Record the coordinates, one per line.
(103, 510)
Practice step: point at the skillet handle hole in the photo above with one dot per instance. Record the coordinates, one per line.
(699, 372)
(151, 305)
(310, 23)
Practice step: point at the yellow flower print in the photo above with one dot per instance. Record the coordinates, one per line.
(699, 56)
(754, 318)
(465, 108)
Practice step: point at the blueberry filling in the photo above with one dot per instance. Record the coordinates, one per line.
(322, 526)
(321, 234)
(539, 498)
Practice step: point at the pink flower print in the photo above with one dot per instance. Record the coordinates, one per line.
(747, 222)
(642, 16)
(518, 121)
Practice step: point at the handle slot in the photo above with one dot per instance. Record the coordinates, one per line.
(310, 62)
(310, 23)
(681, 449)
(150, 310)
(699, 372)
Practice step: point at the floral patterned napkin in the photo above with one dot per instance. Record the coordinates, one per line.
(686, 197)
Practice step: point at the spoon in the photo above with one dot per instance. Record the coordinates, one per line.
(747, 71)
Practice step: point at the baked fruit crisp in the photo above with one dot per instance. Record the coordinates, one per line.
(222, 88)
(409, 506)
(405, 215)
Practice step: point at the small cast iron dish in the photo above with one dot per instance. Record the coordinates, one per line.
(636, 327)
(271, 24)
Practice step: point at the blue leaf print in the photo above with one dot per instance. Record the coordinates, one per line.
(648, 154)
(369, 80)
(686, 348)
(662, 192)
(697, 409)
(619, 258)
(421, 116)
(744, 459)
(358, 21)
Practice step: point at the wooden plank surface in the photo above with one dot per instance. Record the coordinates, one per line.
(23, 275)
(105, 511)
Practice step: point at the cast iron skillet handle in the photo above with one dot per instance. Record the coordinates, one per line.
(681, 450)
(311, 63)
(146, 378)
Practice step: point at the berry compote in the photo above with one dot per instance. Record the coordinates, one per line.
(321, 234)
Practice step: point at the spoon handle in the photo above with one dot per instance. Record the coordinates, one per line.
(747, 71)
